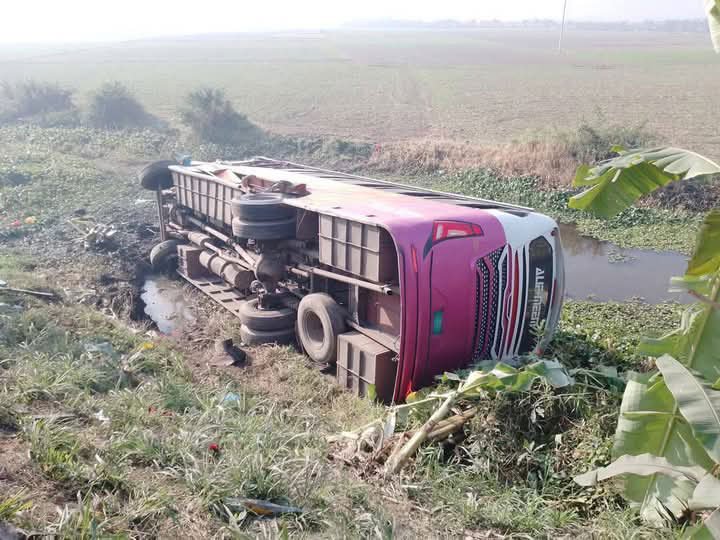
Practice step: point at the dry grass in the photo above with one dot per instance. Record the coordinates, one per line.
(550, 161)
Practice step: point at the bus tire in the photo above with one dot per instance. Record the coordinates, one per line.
(251, 337)
(164, 255)
(265, 319)
(260, 207)
(320, 321)
(157, 175)
(264, 230)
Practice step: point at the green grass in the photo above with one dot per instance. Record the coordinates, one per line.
(94, 170)
(128, 443)
(130, 452)
(653, 228)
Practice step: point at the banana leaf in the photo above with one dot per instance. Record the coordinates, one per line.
(650, 423)
(699, 404)
(706, 259)
(617, 183)
(706, 494)
(504, 378)
(642, 465)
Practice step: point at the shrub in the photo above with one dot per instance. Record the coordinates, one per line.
(592, 141)
(113, 106)
(212, 117)
(47, 103)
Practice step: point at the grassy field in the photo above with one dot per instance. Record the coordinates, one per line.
(485, 86)
(109, 429)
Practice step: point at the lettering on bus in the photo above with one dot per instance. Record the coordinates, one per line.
(538, 297)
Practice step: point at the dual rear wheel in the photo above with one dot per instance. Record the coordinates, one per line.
(262, 216)
(316, 326)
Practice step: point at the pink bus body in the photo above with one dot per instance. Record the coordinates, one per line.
(476, 278)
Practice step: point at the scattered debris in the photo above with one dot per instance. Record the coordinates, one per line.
(94, 235)
(99, 347)
(101, 417)
(258, 507)
(227, 354)
(231, 397)
(4, 287)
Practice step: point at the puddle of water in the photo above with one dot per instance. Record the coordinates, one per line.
(165, 303)
(605, 272)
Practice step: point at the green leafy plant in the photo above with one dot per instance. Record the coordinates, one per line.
(667, 443)
(616, 184)
(489, 377)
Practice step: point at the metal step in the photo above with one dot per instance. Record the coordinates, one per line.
(223, 294)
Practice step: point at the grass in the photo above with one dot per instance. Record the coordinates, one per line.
(93, 172)
(124, 436)
(486, 86)
(118, 427)
(657, 228)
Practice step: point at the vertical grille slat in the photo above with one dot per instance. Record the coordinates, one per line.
(490, 274)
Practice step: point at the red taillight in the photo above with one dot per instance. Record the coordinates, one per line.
(442, 230)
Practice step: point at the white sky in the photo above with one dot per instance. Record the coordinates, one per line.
(93, 20)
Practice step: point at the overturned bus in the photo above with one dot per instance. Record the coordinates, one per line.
(393, 284)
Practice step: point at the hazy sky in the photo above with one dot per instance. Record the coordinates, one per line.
(90, 20)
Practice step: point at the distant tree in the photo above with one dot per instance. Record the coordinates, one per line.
(212, 117)
(113, 106)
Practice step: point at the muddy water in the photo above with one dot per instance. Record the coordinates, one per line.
(602, 271)
(165, 303)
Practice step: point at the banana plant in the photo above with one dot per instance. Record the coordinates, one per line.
(615, 184)
(667, 442)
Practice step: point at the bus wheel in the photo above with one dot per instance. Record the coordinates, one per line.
(264, 230)
(266, 319)
(157, 175)
(320, 321)
(263, 337)
(164, 255)
(260, 207)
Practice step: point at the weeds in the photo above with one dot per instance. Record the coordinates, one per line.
(13, 504)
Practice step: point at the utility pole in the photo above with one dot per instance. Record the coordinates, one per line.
(562, 26)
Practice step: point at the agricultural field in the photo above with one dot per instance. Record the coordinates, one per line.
(483, 86)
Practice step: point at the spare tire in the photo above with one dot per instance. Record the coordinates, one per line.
(164, 255)
(320, 321)
(264, 230)
(261, 207)
(265, 319)
(261, 337)
(157, 175)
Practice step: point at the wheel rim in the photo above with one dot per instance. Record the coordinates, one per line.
(314, 330)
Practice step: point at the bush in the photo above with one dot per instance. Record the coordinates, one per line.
(592, 141)
(212, 117)
(48, 103)
(113, 106)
